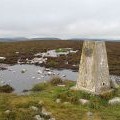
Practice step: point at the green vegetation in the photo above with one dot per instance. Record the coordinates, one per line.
(61, 50)
(40, 87)
(52, 63)
(48, 93)
(56, 81)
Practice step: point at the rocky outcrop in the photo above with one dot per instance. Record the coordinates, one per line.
(41, 112)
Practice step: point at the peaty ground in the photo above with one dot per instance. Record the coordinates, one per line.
(27, 49)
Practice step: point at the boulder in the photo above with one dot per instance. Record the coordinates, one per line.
(44, 111)
(84, 101)
(7, 112)
(89, 114)
(45, 114)
(41, 102)
(34, 108)
(114, 101)
(38, 117)
(23, 70)
(114, 84)
(61, 85)
(66, 103)
(58, 100)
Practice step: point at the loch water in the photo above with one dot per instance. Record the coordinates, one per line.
(26, 80)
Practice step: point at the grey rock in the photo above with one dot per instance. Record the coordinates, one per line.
(58, 100)
(61, 85)
(114, 84)
(41, 102)
(84, 101)
(34, 108)
(23, 70)
(44, 112)
(89, 113)
(38, 117)
(7, 112)
(114, 101)
(114, 81)
(66, 103)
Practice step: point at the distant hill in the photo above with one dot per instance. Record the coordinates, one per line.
(13, 39)
(95, 39)
(25, 39)
(46, 38)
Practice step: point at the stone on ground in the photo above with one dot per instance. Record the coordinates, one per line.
(58, 100)
(38, 117)
(84, 101)
(34, 108)
(7, 112)
(114, 101)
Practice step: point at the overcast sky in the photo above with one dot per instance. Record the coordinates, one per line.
(60, 18)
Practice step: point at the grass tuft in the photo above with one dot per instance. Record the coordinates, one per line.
(6, 89)
(56, 81)
(40, 87)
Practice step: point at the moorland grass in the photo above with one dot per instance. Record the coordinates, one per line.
(48, 93)
(27, 49)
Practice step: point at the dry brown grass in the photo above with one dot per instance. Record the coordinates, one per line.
(28, 48)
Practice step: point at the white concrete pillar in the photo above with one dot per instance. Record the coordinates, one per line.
(93, 70)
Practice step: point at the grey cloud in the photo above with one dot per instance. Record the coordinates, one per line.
(60, 18)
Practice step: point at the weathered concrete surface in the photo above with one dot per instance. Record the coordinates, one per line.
(93, 70)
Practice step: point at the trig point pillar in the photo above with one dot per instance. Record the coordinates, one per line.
(93, 70)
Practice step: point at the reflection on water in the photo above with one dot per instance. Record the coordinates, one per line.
(29, 76)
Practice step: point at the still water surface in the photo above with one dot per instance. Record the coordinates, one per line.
(25, 81)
